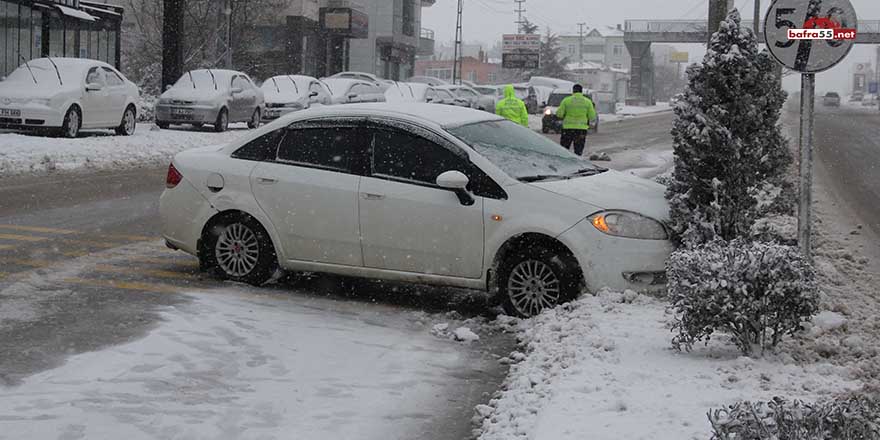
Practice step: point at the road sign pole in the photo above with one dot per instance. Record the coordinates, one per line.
(808, 92)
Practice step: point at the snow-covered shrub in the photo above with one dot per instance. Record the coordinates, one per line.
(147, 108)
(855, 417)
(727, 138)
(756, 292)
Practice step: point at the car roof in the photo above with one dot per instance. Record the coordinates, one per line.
(73, 62)
(441, 115)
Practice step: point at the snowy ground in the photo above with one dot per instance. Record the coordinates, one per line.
(602, 368)
(623, 112)
(29, 153)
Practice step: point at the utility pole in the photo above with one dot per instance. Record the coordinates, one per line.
(228, 12)
(757, 17)
(456, 63)
(519, 18)
(172, 41)
(581, 41)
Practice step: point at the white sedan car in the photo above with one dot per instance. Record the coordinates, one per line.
(289, 93)
(67, 95)
(351, 91)
(419, 193)
(211, 96)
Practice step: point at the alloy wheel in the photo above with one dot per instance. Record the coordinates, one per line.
(72, 123)
(129, 122)
(237, 250)
(533, 286)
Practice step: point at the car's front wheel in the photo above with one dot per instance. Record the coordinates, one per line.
(532, 280)
(72, 123)
(240, 249)
(256, 118)
(129, 122)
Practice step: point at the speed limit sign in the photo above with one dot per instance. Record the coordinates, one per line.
(810, 36)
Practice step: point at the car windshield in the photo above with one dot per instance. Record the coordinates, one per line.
(280, 84)
(44, 73)
(555, 99)
(832, 95)
(522, 153)
(199, 79)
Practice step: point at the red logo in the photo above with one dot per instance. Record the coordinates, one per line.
(822, 28)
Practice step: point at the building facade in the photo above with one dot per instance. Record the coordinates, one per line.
(32, 29)
(472, 69)
(394, 38)
(599, 46)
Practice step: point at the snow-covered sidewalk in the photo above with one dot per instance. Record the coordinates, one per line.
(602, 368)
(623, 112)
(31, 153)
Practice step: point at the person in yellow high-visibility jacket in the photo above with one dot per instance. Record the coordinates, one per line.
(512, 108)
(576, 112)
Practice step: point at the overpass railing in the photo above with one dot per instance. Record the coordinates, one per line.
(697, 26)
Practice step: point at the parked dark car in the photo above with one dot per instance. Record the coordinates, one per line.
(831, 99)
(550, 123)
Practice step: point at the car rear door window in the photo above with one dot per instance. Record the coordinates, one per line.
(263, 148)
(331, 148)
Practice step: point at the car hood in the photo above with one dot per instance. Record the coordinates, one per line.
(614, 190)
(282, 97)
(32, 91)
(186, 94)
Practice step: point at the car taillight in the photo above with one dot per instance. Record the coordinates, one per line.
(174, 177)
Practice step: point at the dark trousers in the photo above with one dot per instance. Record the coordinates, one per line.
(576, 137)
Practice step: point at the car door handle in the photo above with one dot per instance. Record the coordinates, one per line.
(266, 181)
(369, 196)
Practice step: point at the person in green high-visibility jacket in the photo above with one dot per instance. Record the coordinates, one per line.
(576, 112)
(512, 107)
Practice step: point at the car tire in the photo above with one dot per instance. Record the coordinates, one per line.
(129, 122)
(256, 118)
(238, 248)
(545, 130)
(532, 279)
(72, 122)
(222, 122)
(198, 125)
(162, 125)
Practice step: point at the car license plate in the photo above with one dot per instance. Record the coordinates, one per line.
(182, 111)
(15, 113)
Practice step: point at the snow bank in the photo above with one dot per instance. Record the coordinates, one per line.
(28, 153)
(603, 367)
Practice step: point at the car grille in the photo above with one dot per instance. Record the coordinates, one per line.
(274, 105)
(10, 121)
(181, 102)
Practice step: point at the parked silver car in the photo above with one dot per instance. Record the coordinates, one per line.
(211, 97)
(468, 95)
(350, 91)
(289, 93)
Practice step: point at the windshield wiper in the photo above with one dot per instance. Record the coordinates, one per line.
(589, 172)
(276, 85)
(28, 67)
(295, 87)
(213, 79)
(191, 79)
(57, 72)
(540, 177)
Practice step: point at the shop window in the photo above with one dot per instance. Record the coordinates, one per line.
(111, 48)
(409, 18)
(36, 34)
(94, 48)
(56, 36)
(70, 31)
(84, 42)
(12, 36)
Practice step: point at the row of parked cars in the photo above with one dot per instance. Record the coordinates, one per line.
(66, 95)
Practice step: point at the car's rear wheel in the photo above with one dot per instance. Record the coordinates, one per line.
(198, 125)
(532, 280)
(222, 122)
(72, 122)
(240, 249)
(129, 122)
(255, 119)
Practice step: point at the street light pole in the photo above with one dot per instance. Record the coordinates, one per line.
(757, 17)
(228, 12)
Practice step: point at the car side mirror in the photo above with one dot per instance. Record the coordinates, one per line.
(429, 100)
(168, 87)
(456, 182)
(313, 94)
(352, 96)
(93, 87)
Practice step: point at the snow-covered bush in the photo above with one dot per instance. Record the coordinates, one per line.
(854, 417)
(727, 138)
(147, 108)
(756, 292)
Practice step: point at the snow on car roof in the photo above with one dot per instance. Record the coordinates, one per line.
(442, 115)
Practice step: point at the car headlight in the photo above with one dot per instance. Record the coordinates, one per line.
(164, 101)
(41, 101)
(548, 112)
(629, 225)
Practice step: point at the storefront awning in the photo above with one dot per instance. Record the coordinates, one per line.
(76, 13)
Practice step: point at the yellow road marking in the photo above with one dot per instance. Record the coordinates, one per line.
(5, 247)
(29, 263)
(16, 237)
(171, 260)
(132, 237)
(37, 229)
(125, 285)
(151, 272)
(100, 244)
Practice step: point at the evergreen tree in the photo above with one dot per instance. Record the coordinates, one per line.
(527, 27)
(727, 139)
(552, 62)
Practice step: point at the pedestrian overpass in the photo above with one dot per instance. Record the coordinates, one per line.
(639, 34)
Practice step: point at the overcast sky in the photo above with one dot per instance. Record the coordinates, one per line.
(485, 21)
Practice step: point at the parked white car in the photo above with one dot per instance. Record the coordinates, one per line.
(211, 96)
(66, 95)
(363, 76)
(350, 91)
(429, 80)
(419, 193)
(289, 93)
(467, 97)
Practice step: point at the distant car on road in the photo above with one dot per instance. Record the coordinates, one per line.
(870, 100)
(831, 99)
(65, 95)
(550, 123)
(856, 97)
(289, 93)
(418, 193)
(463, 96)
(211, 96)
(350, 91)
